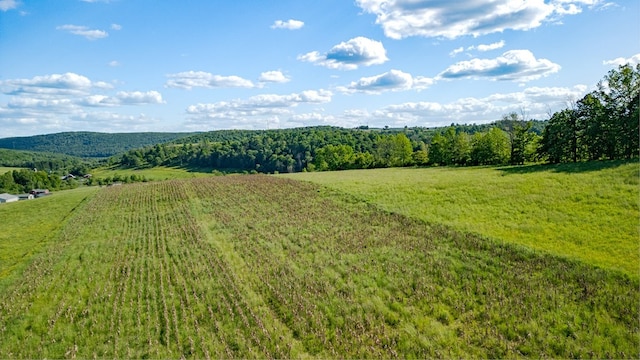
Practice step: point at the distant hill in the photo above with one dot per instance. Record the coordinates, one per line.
(40, 160)
(88, 144)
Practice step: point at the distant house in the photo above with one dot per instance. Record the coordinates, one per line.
(25, 196)
(40, 192)
(87, 176)
(7, 198)
(67, 177)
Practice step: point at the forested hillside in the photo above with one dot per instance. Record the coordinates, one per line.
(43, 161)
(324, 147)
(88, 144)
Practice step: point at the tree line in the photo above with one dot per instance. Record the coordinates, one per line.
(331, 148)
(601, 125)
(24, 180)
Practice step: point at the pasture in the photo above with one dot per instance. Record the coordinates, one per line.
(584, 211)
(4, 169)
(266, 267)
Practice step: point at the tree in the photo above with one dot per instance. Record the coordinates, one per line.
(522, 137)
(620, 91)
(394, 150)
(420, 157)
(490, 148)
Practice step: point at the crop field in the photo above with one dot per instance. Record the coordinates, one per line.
(153, 174)
(586, 211)
(267, 267)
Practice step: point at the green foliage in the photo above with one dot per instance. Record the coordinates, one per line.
(88, 144)
(23, 181)
(603, 124)
(58, 163)
(490, 148)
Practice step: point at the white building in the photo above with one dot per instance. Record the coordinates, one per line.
(7, 198)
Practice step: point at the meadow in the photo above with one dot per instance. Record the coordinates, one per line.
(30, 227)
(584, 211)
(4, 169)
(265, 267)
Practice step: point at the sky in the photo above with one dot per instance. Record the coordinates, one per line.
(202, 65)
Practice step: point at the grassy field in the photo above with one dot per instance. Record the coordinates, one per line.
(29, 227)
(588, 211)
(265, 267)
(152, 174)
(7, 169)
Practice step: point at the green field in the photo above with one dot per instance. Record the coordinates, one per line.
(29, 227)
(587, 211)
(152, 174)
(7, 169)
(266, 267)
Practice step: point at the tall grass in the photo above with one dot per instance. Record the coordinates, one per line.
(587, 211)
(264, 267)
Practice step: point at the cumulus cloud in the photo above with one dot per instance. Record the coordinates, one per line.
(193, 79)
(514, 65)
(49, 101)
(451, 19)
(90, 34)
(289, 24)
(260, 108)
(635, 59)
(123, 98)
(275, 76)
(536, 100)
(349, 55)
(114, 63)
(116, 27)
(393, 80)
(489, 47)
(52, 85)
(6, 5)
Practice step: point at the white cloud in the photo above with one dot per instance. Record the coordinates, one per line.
(53, 85)
(114, 63)
(393, 80)
(139, 97)
(537, 101)
(90, 34)
(289, 24)
(122, 98)
(489, 47)
(243, 113)
(6, 5)
(116, 27)
(349, 55)
(275, 76)
(481, 47)
(50, 102)
(192, 79)
(456, 51)
(635, 59)
(514, 65)
(451, 19)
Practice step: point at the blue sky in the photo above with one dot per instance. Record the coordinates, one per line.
(198, 65)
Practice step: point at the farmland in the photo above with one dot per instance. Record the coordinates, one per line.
(266, 267)
(586, 211)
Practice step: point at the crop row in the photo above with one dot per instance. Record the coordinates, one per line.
(262, 267)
